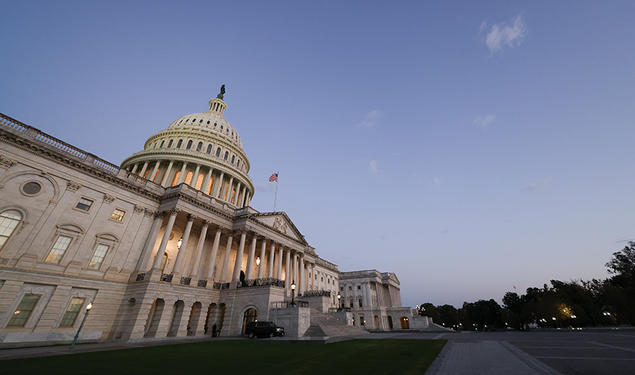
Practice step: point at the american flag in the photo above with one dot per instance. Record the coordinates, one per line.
(274, 177)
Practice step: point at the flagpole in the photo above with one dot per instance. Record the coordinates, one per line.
(275, 198)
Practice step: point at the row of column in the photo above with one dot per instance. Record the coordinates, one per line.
(242, 195)
(276, 256)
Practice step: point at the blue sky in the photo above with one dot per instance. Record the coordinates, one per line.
(470, 147)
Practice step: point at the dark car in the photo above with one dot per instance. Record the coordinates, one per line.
(263, 329)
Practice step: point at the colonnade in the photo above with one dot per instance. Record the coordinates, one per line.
(200, 177)
(265, 257)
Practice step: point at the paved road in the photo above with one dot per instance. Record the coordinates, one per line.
(586, 352)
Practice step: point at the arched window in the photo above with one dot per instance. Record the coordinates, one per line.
(170, 143)
(207, 122)
(9, 220)
(179, 143)
(200, 146)
(233, 157)
(238, 164)
(218, 152)
(209, 149)
(189, 144)
(226, 155)
(162, 142)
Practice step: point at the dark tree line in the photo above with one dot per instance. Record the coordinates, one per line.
(562, 304)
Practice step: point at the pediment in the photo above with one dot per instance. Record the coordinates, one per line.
(280, 222)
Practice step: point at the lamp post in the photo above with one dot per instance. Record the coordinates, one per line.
(293, 293)
(339, 302)
(88, 307)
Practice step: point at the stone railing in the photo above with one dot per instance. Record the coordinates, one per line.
(338, 309)
(269, 281)
(316, 293)
(202, 283)
(287, 304)
(167, 277)
(37, 136)
(141, 276)
(185, 280)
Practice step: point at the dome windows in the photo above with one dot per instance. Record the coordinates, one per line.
(238, 164)
(189, 144)
(215, 124)
(199, 147)
(226, 155)
(162, 142)
(221, 127)
(170, 143)
(208, 122)
(209, 149)
(179, 143)
(218, 152)
(233, 157)
(200, 121)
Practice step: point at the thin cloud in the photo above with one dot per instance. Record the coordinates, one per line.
(484, 122)
(503, 34)
(370, 120)
(436, 181)
(373, 166)
(533, 187)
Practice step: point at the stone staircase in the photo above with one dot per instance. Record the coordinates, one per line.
(323, 325)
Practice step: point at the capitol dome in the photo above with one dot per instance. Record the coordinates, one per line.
(202, 150)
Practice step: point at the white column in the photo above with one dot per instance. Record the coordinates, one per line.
(294, 278)
(143, 169)
(216, 192)
(212, 264)
(207, 180)
(243, 195)
(263, 248)
(164, 240)
(228, 191)
(279, 263)
(181, 253)
(164, 180)
(235, 201)
(134, 168)
(312, 276)
(154, 170)
(142, 264)
(199, 251)
(226, 261)
(248, 199)
(271, 259)
(239, 259)
(182, 175)
(250, 258)
(302, 274)
(195, 177)
(287, 276)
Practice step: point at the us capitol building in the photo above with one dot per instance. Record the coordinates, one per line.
(165, 245)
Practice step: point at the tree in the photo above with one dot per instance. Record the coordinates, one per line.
(622, 266)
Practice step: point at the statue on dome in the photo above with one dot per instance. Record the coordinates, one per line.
(222, 92)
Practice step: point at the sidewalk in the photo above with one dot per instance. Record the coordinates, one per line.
(45, 351)
(486, 357)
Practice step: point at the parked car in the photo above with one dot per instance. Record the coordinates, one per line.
(263, 329)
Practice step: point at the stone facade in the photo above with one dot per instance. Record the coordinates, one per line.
(157, 253)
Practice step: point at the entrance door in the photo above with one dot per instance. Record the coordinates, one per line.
(251, 315)
(405, 322)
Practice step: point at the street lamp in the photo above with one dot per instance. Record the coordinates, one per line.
(88, 307)
(179, 243)
(339, 302)
(257, 261)
(293, 293)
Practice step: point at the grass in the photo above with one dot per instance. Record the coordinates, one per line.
(243, 357)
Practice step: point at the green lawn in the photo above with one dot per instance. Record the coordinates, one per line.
(243, 357)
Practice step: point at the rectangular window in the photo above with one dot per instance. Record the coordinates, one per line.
(188, 177)
(199, 181)
(59, 248)
(23, 312)
(98, 256)
(176, 178)
(209, 187)
(84, 204)
(117, 215)
(74, 307)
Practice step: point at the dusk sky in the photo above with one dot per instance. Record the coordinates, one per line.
(469, 147)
